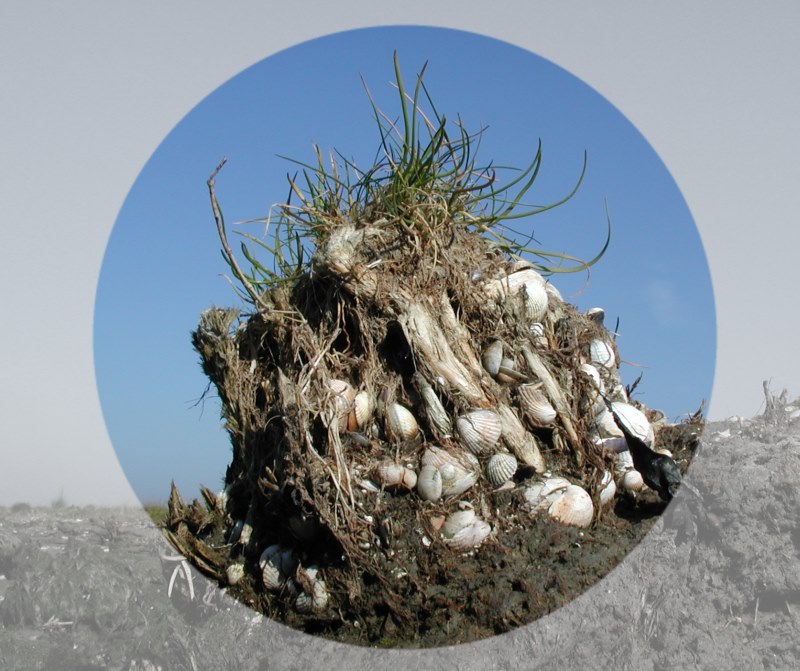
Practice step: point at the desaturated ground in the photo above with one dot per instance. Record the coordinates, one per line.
(715, 589)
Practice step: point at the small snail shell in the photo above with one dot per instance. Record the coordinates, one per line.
(400, 423)
(390, 474)
(429, 483)
(479, 430)
(573, 507)
(501, 468)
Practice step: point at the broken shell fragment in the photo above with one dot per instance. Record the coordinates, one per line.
(479, 430)
(500, 468)
(234, 573)
(400, 423)
(464, 530)
(540, 495)
(572, 507)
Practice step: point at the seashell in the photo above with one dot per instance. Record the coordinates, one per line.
(479, 430)
(429, 483)
(573, 507)
(635, 421)
(632, 481)
(277, 566)
(458, 481)
(390, 474)
(492, 356)
(623, 461)
(363, 407)
(553, 293)
(437, 416)
(534, 300)
(540, 495)
(501, 468)
(538, 334)
(234, 573)
(344, 395)
(506, 373)
(457, 521)
(469, 537)
(602, 353)
(314, 600)
(593, 374)
(608, 489)
(597, 315)
(509, 285)
(400, 423)
(459, 469)
(241, 532)
(519, 441)
(535, 406)
(605, 425)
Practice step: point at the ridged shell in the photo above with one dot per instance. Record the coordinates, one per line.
(479, 430)
(390, 474)
(601, 353)
(469, 537)
(364, 406)
(541, 494)
(499, 289)
(534, 300)
(429, 483)
(535, 406)
(634, 419)
(345, 397)
(277, 566)
(234, 573)
(632, 481)
(492, 356)
(573, 507)
(400, 422)
(501, 468)
(317, 599)
(608, 489)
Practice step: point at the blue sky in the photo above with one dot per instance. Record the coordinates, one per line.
(163, 267)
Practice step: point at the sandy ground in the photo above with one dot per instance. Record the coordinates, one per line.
(717, 588)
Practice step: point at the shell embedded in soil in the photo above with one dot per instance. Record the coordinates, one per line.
(400, 422)
(464, 530)
(314, 595)
(234, 573)
(608, 489)
(391, 474)
(345, 397)
(500, 468)
(363, 407)
(429, 483)
(541, 494)
(277, 565)
(458, 469)
(572, 507)
(632, 481)
(479, 430)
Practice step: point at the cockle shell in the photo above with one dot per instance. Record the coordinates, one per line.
(479, 430)
(572, 507)
(535, 406)
(363, 407)
(608, 488)
(464, 530)
(400, 422)
(459, 470)
(391, 474)
(534, 300)
(540, 495)
(635, 421)
(509, 285)
(492, 357)
(345, 396)
(314, 596)
(277, 565)
(632, 481)
(429, 483)
(500, 468)
(602, 353)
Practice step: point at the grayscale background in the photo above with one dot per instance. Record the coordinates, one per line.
(90, 89)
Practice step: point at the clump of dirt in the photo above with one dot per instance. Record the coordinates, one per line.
(369, 395)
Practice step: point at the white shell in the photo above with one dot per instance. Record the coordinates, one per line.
(597, 315)
(492, 356)
(469, 537)
(623, 461)
(479, 430)
(534, 300)
(459, 482)
(390, 474)
(318, 598)
(458, 469)
(400, 422)
(541, 494)
(457, 521)
(635, 420)
(364, 406)
(234, 573)
(277, 566)
(608, 489)
(601, 353)
(535, 406)
(501, 468)
(573, 507)
(509, 285)
(632, 481)
(429, 483)
(605, 425)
